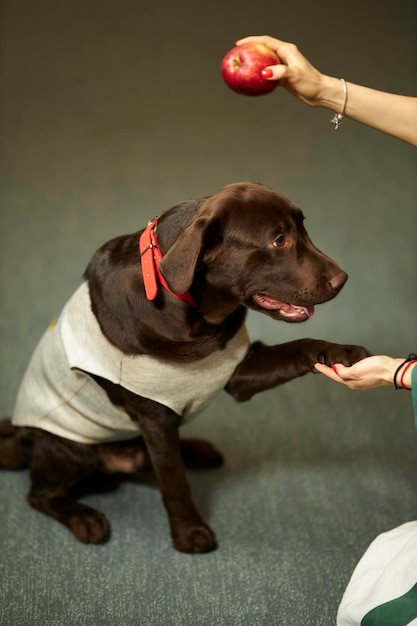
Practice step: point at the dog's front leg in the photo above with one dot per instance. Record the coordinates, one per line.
(265, 367)
(159, 428)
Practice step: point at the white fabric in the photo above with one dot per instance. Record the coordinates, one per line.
(57, 395)
(387, 570)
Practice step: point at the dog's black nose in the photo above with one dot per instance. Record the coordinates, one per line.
(337, 282)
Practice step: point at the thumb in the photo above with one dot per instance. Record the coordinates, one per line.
(341, 370)
(274, 72)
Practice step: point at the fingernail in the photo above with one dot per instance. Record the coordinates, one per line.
(334, 368)
(267, 73)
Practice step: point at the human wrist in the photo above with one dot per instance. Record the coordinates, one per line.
(388, 367)
(331, 93)
(406, 379)
(403, 371)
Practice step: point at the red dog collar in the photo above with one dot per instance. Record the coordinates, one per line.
(151, 256)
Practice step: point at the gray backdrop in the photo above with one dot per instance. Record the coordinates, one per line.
(112, 112)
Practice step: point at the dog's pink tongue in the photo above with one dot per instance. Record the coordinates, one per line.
(294, 310)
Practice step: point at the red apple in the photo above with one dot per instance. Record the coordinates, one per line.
(241, 69)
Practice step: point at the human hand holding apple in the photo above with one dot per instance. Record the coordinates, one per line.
(242, 66)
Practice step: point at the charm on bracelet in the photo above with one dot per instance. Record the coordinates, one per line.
(338, 117)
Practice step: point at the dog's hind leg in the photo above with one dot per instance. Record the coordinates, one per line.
(57, 466)
(12, 453)
(200, 454)
(132, 457)
(87, 524)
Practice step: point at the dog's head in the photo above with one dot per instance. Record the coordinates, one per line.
(247, 245)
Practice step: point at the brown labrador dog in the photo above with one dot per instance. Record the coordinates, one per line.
(151, 336)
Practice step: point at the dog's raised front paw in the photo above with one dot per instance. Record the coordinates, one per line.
(345, 354)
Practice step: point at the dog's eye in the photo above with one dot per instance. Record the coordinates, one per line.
(279, 241)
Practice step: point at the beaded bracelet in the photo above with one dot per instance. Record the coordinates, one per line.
(409, 360)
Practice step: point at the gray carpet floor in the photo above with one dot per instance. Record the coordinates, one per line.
(112, 113)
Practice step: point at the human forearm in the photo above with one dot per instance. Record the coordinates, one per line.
(393, 114)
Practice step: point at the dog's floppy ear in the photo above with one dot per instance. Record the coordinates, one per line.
(179, 263)
(202, 238)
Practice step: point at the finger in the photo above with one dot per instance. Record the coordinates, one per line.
(329, 372)
(275, 72)
(343, 372)
(285, 50)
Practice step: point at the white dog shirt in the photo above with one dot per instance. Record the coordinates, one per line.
(58, 395)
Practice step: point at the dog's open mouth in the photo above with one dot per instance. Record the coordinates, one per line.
(291, 311)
